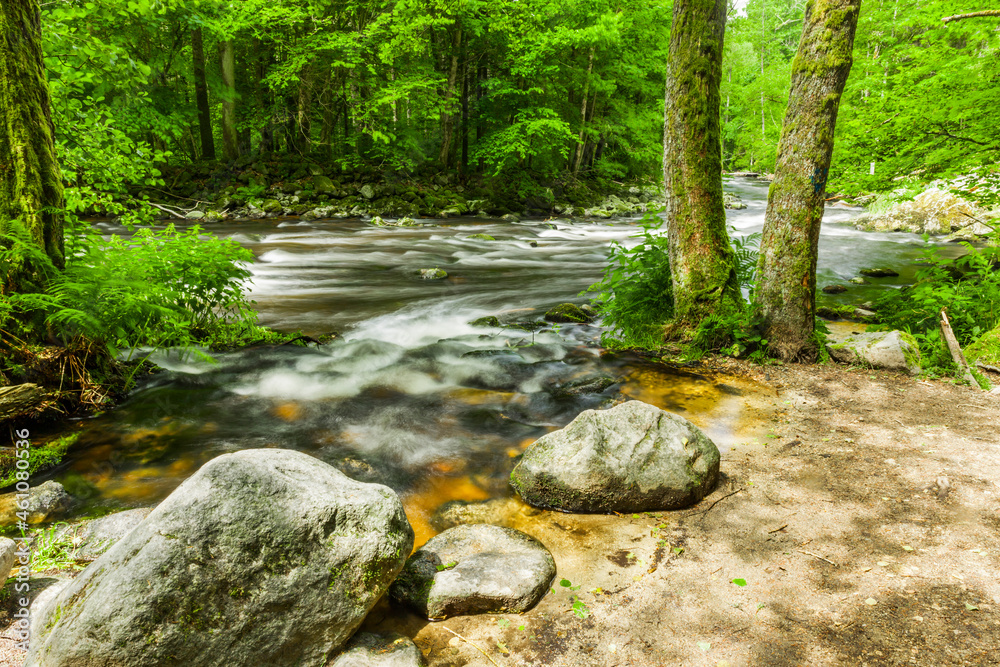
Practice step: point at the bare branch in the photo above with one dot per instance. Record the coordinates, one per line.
(972, 15)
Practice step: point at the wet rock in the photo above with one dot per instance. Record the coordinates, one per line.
(367, 649)
(894, 350)
(194, 215)
(475, 569)
(367, 191)
(271, 206)
(834, 289)
(858, 280)
(406, 222)
(433, 274)
(96, 536)
(488, 321)
(481, 237)
(260, 539)
(567, 313)
(593, 384)
(510, 217)
(733, 201)
(46, 502)
(879, 273)
(634, 457)
(8, 547)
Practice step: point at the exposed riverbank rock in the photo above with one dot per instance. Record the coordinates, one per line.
(634, 457)
(367, 649)
(46, 502)
(893, 350)
(933, 211)
(879, 273)
(263, 557)
(8, 547)
(475, 569)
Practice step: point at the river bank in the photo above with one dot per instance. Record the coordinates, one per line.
(861, 509)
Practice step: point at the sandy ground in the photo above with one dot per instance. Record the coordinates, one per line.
(861, 509)
(862, 512)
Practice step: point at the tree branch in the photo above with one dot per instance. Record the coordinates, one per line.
(972, 15)
(952, 136)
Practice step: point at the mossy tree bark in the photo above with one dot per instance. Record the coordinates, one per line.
(201, 95)
(788, 250)
(227, 57)
(31, 190)
(702, 264)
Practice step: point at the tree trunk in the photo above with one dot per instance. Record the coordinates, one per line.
(264, 100)
(448, 118)
(583, 114)
(30, 183)
(201, 96)
(702, 264)
(230, 143)
(304, 107)
(20, 399)
(787, 267)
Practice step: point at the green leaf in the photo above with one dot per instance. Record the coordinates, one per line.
(739, 582)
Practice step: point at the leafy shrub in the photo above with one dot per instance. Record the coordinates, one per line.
(968, 288)
(635, 296)
(164, 287)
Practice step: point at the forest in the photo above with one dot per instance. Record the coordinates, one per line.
(323, 323)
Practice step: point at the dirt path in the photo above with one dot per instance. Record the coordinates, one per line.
(863, 513)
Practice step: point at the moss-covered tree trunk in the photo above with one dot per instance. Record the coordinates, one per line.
(227, 57)
(702, 264)
(30, 184)
(787, 293)
(201, 95)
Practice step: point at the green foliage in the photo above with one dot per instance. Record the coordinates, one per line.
(736, 334)
(40, 457)
(967, 288)
(746, 250)
(52, 548)
(164, 287)
(635, 297)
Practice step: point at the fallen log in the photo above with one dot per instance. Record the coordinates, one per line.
(19, 399)
(956, 351)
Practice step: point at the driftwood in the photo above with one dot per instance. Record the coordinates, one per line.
(956, 351)
(19, 399)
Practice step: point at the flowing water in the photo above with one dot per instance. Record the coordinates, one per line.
(410, 394)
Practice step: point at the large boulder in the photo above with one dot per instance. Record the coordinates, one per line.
(892, 350)
(8, 550)
(634, 457)
(367, 649)
(475, 569)
(263, 557)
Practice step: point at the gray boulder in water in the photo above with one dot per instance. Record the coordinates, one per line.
(263, 557)
(634, 457)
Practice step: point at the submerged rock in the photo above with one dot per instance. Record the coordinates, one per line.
(496, 512)
(567, 313)
(834, 289)
(367, 649)
(433, 274)
(893, 350)
(488, 321)
(475, 569)
(634, 457)
(262, 557)
(481, 237)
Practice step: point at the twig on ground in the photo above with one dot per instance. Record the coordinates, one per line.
(809, 553)
(471, 644)
(705, 511)
(777, 529)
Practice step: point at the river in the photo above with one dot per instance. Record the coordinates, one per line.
(410, 394)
